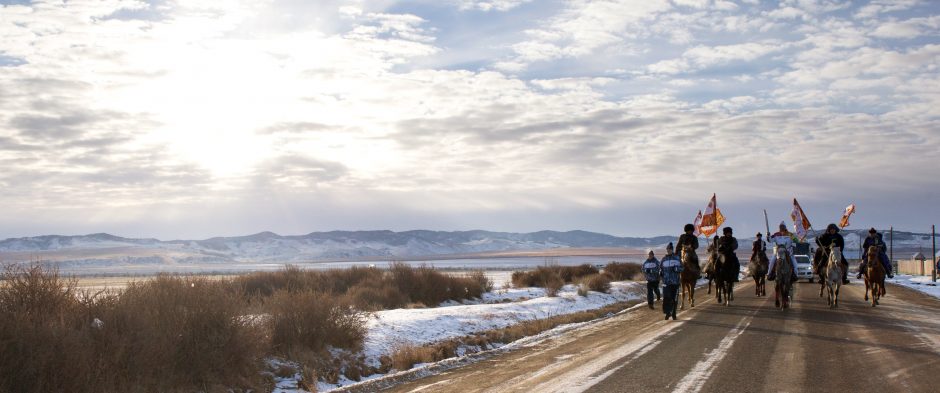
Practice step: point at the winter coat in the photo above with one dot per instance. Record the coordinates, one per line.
(686, 238)
(671, 267)
(874, 241)
(653, 269)
(727, 245)
(759, 246)
(826, 239)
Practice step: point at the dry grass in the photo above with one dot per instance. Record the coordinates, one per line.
(167, 334)
(594, 282)
(370, 288)
(622, 271)
(552, 278)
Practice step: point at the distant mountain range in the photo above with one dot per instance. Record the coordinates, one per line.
(271, 247)
(103, 249)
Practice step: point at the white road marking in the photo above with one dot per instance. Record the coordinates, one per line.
(695, 379)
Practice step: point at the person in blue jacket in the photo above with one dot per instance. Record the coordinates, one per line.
(671, 267)
(653, 271)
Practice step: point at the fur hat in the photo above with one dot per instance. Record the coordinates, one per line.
(688, 227)
(833, 226)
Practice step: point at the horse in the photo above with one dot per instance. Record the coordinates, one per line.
(724, 279)
(757, 268)
(689, 275)
(819, 267)
(784, 272)
(874, 276)
(710, 266)
(834, 275)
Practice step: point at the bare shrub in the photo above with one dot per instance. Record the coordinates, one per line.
(596, 282)
(622, 271)
(543, 276)
(313, 320)
(167, 334)
(552, 283)
(184, 332)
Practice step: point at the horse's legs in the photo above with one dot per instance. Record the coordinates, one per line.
(709, 285)
(867, 287)
(682, 295)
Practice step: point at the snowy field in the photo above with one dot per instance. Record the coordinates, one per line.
(917, 283)
(392, 329)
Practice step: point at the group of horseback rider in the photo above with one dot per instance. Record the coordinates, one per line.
(669, 268)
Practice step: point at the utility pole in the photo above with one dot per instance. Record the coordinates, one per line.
(933, 255)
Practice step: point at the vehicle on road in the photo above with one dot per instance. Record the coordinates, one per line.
(804, 262)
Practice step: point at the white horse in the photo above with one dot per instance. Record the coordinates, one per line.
(834, 275)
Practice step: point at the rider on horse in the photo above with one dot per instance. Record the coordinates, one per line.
(759, 248)
(727, 244)
(874, 239)
(783, 238)
(829, 238)
(688, 238)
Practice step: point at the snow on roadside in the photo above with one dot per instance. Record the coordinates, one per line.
(917, 283)
(392, 329)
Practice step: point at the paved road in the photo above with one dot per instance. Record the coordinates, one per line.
(748, 347)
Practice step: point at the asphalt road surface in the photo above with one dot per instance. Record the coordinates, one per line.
(750, 346)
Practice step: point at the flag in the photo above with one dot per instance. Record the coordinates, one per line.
(697, 224)
(844, 222)
(801, 224)
(712, 219)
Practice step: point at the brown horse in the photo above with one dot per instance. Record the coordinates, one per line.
(874, 276)
(784, 273)
(757, 268)
(689, 275)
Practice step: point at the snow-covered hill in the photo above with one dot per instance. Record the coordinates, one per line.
(270, 247)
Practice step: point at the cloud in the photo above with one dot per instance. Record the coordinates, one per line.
(910, 28)
(234, 117)
(702, 57)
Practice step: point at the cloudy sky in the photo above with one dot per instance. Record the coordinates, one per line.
(199, 118)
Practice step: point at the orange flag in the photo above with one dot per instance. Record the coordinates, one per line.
(712, 219)
(844, 222)
(801, 224)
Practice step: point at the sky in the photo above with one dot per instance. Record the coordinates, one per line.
(195, 119)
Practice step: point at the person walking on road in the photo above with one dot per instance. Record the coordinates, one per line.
(671, 267)
(653, 271)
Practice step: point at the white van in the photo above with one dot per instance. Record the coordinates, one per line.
(804, 261)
